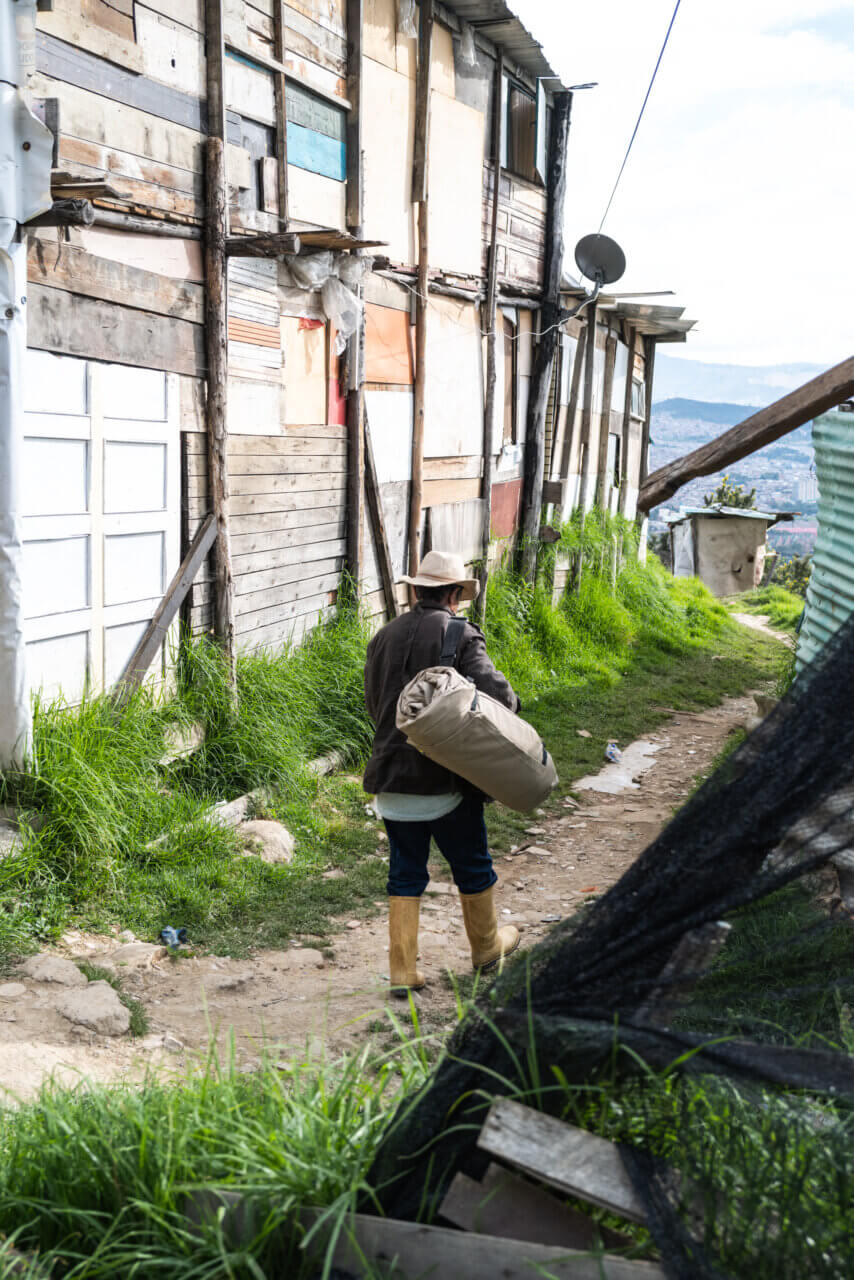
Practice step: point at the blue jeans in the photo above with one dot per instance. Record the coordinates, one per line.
(461, 838)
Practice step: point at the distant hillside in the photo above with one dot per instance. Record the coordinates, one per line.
(706, 411)
(755, 385)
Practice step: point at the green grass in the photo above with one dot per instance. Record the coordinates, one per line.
(782, 607)
(125, 841)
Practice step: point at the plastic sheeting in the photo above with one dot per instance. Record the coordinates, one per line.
(335, 277)
(25, 155)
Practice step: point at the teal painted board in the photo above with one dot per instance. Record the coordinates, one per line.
(830, 595)
(311, 112)
(316, 152)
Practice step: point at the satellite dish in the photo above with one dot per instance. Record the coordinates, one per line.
(600, 258)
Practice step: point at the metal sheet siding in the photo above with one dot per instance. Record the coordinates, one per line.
(830, 595)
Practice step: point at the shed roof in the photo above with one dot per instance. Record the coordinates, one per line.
(664, 323)
(497, 21)
(718, 511)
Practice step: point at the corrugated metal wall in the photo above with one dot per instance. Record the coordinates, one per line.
(830, 596)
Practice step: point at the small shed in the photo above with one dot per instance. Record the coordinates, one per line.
(723, 546)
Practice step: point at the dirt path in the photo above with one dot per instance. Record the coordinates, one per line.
(760, 622)
(301, 998)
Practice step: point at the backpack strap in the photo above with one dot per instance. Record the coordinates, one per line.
(451, 642)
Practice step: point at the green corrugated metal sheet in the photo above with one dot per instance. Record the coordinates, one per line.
(830, 595)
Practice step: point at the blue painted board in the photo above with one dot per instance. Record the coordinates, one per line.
(316, 152)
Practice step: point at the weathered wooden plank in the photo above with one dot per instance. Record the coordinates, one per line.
(141, 133)
(272, 579)
(78, 67)
(290, 442)
(285, 503)
(778, 419)
(277, 521)
(603, 481)
(310, 39)
(71, 324)
(464, 468)
(92, 157)
(279, 539)
(413, 1251)
(155, 633)
(439, 491)
(255, 465)
(576, 1162)
(507, 1206)
(293, 481)
(304, 554)
(279, 613)
(255, 603)
(66, 21)
(280, 634)
(82, 273)
(373, 494)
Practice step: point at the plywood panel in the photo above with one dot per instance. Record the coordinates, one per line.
(442, 79)
(388, 345)
(172, 53)
(440, 491)
(389, 103)
(249, 90)
(314, 200)
(390, 417)
(506, 498)
(380, 31)
(454, 401)
(170, 256)
(305, 372)
(458, 527)
(254, 408)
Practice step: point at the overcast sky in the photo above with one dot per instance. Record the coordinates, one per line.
(739, 192)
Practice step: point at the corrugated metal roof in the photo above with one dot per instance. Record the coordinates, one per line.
(717, 511)
(495, 20)
(830, 595)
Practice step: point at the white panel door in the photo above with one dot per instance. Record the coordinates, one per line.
(100, 506)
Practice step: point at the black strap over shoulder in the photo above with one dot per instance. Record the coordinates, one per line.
(451, 643)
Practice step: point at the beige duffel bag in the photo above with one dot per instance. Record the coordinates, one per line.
(445, 716)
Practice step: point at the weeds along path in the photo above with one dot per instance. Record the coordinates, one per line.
(335, 999)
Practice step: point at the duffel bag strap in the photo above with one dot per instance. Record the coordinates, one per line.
(451, 643)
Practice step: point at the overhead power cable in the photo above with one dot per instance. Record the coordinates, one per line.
(640, 115)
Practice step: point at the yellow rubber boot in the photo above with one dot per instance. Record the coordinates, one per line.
(489, 944)
(403, 945)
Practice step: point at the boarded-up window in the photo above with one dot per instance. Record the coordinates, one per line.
(519, 152)
(316, 133)
(509, 381)
(112, 15)
(259, 142)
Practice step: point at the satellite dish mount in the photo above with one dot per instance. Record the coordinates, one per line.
(600, 259)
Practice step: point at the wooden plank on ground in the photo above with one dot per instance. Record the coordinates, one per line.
(411, 1251)
(78, 326)
(576, 1162)
(507, 1206)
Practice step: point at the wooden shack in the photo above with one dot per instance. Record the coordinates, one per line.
(241, 162)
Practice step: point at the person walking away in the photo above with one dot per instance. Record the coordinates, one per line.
(419, 800)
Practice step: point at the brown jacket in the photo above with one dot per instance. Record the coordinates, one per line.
(397, 653)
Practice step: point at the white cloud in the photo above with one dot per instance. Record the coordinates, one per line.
(738, 192)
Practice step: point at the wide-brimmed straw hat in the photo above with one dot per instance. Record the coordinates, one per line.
(444, 569)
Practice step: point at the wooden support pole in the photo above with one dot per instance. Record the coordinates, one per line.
(603, 482)
(572, 408)
(587, 406)
(649, 379)
(375, 509)
(266, 246)
(216, 333)
(793, 410)
(420, 194)
(281, 110)
(155, 633)
(489, 327)
(355, 363)
(69, 212)
(625, 430)
(532, 482)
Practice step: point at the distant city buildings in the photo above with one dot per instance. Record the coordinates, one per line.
(808, 489)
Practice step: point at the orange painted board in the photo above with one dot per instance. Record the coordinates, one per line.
(259, 335)
(388, 347)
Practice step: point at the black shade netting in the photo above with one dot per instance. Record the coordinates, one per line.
(751, 847)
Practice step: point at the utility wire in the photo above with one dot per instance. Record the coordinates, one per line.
(640, 116)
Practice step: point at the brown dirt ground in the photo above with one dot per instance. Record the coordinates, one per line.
(301, 999)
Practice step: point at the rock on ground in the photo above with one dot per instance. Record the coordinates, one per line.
(275, 841)
(97, 1007)
(12, 990)
(48, 968)
(136, 955)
